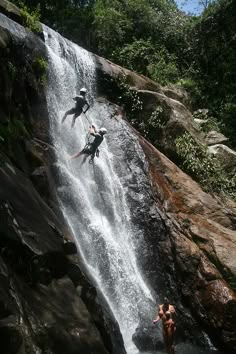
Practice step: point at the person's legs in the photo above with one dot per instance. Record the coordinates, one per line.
(70, 111)
(76, 155)
(170, 340)
(165, 338)
(85, 158)
(73, 120)
(92, 158)
(87, 151)
(76, 115)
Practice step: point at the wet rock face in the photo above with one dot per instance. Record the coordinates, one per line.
(194, 249)
(200, 244)
(61, 325)
(40, 307)
(189, 243)
(34, 298)
(147, 338)
(152, 240)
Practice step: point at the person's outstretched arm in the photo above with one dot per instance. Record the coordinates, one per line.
(159, 316)
(88, 106)
(156, 319)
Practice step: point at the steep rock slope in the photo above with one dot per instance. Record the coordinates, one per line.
(195, 253)
(198, 248)
(47, 303)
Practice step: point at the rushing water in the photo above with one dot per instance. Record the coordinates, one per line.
(92, 197)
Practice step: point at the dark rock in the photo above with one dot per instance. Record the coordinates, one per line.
(11, 11)
(61, 325)
(39, 178)
(202, 252)
(189, 234)
(104, 320)
(69, 248)
(32, 236)
(73, 330)
(187, 348)
(26, 218)
(11, 338)
(4, 39)
(148, 338)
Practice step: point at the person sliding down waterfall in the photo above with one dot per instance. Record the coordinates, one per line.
(78, 109)
(91, 149)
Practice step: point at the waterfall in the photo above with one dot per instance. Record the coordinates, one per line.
(93, 198)
(96, 199)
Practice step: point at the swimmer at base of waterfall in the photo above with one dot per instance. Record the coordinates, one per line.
(163, 308)
(91, 149)
(165, 313)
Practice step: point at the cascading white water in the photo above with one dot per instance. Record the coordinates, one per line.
(92, 198)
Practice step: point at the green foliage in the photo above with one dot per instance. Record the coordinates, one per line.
(154, 38)
(213, 43)
(111, 26)
(157, 118)
(31, 17)
(197, 162)
(12, 71)
(151, 128)
(145, 36)
(227, 118)
(209, 123)
(163, 71)
(40, 69)
(193, 90)
(145, 58)
(12, 131)
(136, 55)
(129, 98)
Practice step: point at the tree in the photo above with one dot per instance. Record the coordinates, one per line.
(204, 3)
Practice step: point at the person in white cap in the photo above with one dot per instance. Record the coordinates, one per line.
(78, 109)
(91, 149)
